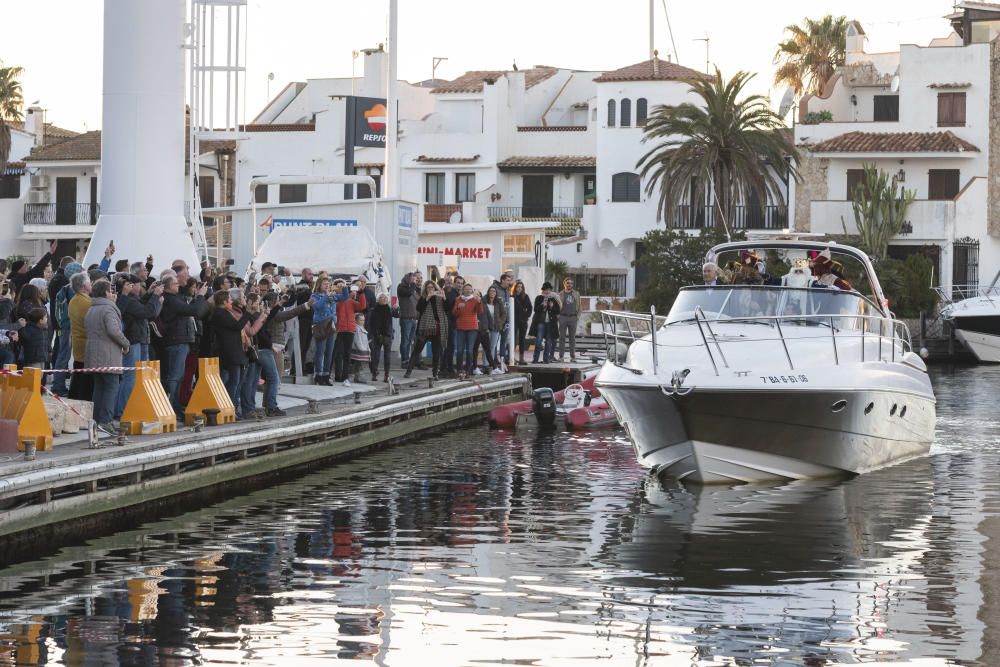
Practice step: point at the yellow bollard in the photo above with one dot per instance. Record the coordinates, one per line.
(6, 390)
(26, 407)
(148, 403)
(209, 392)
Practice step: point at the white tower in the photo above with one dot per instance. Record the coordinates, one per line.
(142, 142)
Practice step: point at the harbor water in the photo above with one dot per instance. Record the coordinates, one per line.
(541, 548)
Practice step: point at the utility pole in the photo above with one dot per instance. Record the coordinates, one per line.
(390, 180)
(652, 53)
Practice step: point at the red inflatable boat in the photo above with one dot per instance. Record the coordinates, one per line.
(578, 407)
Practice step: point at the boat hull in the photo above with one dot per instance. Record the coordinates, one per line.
(726, 436)
(984, 346)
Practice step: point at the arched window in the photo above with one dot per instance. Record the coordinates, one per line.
(626, 112)
(611, 113)
(625, 187)
(640, 112)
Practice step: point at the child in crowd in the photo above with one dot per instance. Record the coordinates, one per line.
(360, 351)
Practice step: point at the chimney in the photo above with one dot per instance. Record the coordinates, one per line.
(373, 83)
(656, 63)
(855, 43)
(34, 124)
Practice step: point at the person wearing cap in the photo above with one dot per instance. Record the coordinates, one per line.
(545, 323)
(138, 308)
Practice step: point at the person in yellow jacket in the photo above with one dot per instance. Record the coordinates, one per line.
(81, 385)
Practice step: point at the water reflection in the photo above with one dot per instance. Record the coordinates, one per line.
(444, 551)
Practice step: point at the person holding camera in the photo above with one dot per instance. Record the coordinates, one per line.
(138, 308)
(324, 320)
(346, 326)
(432, 327)
(278, 312)
(466, 310)
(545, 324)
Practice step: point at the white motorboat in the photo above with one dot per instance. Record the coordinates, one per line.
(975, 315)
(746, 383)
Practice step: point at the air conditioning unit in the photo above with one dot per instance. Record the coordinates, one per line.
(38, 196)
(40, 181)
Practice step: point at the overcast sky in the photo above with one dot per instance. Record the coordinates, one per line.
(58, 42)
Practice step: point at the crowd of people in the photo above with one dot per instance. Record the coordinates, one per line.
(468, 331)
(58, 314)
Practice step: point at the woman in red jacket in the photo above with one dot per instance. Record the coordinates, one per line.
(346, 310)
(466, 312)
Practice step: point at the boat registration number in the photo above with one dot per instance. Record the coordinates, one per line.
(801, 378)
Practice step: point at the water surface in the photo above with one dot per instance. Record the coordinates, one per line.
(483, 548)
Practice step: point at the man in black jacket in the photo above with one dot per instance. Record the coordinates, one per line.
(138, 310)
(58, 281)
(20, 274)
(178, 317)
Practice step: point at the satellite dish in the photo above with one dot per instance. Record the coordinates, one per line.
(455, 218)
(786, 102)
(894, 84)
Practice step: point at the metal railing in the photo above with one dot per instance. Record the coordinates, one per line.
(962, 292)
(534, 212)
(702, 216)
(61, 214)
(634, 327)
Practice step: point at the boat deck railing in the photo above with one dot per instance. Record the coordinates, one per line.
(956, 293)
(621, 330)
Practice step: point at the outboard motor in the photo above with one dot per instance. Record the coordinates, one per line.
(543, 404)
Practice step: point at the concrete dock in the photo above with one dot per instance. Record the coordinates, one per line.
(77, 491)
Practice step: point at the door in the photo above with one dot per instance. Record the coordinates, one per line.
(66, 200)
(536, 196)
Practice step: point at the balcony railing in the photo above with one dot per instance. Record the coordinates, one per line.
(61, 214)
(499, 213)
(687, 216)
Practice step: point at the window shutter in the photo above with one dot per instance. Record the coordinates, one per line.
(611, 113)
(951, 109)
(942, 183)
(640, 112)
(854, 179)
(625, 187)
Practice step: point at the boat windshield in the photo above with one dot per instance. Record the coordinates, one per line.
(725, 302)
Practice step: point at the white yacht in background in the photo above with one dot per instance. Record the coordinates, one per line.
(745, 383)
(976, 319)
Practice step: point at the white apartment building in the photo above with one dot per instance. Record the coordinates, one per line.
(923, 113)
(545, 144)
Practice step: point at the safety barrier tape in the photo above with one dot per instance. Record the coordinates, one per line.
(99, 369)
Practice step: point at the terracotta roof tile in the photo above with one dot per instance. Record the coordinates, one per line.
(86, 146)
(472, 82)
(646, 71)
(50, 130)
(894, 142)
(548, 162)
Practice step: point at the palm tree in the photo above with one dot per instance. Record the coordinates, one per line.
(811, 54)
(10, 106)
(730, 147)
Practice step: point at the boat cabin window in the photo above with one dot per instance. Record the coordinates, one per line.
(791, 267)
(745, 302)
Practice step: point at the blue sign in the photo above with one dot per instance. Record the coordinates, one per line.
(405, 217)
(310, 222)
